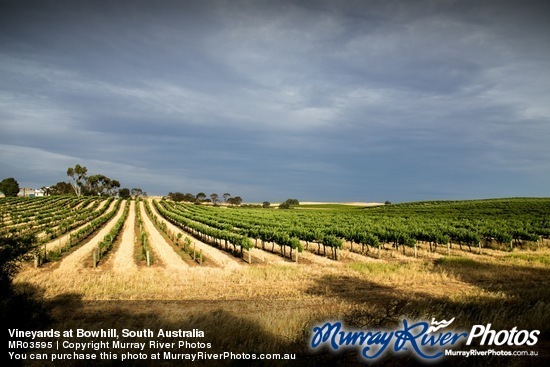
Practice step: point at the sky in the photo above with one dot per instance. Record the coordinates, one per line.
(268, 100)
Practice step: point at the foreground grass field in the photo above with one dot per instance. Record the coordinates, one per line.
(273, 308)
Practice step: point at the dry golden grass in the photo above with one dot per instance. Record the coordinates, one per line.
(272, 308)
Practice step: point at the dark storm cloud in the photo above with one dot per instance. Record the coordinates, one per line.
(320, 100)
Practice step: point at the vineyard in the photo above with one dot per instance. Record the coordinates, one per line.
(61, 223)
(513, 222)
(273, 272)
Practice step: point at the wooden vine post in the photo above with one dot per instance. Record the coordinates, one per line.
(94, 258)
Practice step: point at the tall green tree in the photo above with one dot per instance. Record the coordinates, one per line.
(9, 186)
(284, 205)
(101, 185)
(214, 198)
(176, 196)
(136, 191)
(91, 185)
(237, 200)
(62, 188)
(77, 178)
(113, 187)
(189, 197)
(124, 193)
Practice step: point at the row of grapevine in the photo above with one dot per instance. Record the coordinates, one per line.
(83, 232)
(206, 233)
(106, 243)
(146, 252)
(187, 248)
(21, 219)
(73, 219)
(267, 231)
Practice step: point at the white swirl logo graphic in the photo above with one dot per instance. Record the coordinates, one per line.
(439, 325)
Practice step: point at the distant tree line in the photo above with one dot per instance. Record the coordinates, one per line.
(202, 198)
(227, 198)
(96, 185)
(80, 184)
